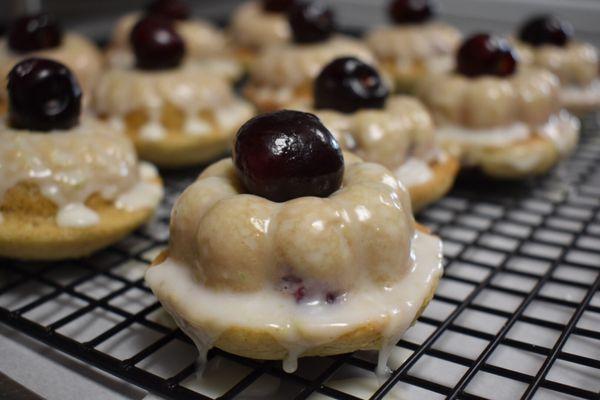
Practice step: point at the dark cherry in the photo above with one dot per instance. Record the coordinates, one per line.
(288, 154)
(43, 95)
(348, 84)
(311, 21)
(412, 11)
(174, 9)
(483, 54)
(278, 6)
(546, 29)
(156, 44)
(34, 32)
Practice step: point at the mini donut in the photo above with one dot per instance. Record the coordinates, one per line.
(415, 46)
(176, 111)
(547, 42)
(204, 42)
(68, 185)
(352, 99)
(508, 122)
(283, 74)
(256, 25)
(71, 49)
(295, 249)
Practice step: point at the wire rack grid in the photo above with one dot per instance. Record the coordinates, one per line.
(516, 315)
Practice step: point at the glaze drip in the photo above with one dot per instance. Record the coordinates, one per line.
(206, 313)
(70, 166)
(205, 101)
(304, 272)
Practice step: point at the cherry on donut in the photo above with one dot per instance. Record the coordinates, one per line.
(412, 11)
(34, 32)
(484, 54)
(348, 84)
(43, 95)
(546, 29)
(288, 154)
(311, 21)
(156, 44)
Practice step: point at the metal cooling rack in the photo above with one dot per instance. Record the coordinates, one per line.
(517, 314)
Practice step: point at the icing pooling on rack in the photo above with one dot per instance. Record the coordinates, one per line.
(70, 166)
(252, 27)
(234, 260)
(204, 99)
(298, 327)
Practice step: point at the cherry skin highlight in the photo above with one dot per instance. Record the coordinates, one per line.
(483, 54)
(43, 95)
(311, 22)
(546, 29)
(348, 85)
(156, 44)
(288, 154)
(34, 32)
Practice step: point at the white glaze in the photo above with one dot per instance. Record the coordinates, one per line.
(76, 215)
(572, 95)
(234, 258)
(299, 326)
(196, 126)
(529, 96)
(222, 66)
(413, 42)
(191, 89)
(252, 27)
(70, 166)
(414, 172)
(498, 136)
(153, 131)
(562, 129)
(439, 64)
(294, 65)
(575, 64)
(202, 39)
(145, 194)
(401, 130)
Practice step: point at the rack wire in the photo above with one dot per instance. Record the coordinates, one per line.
(516, 315)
